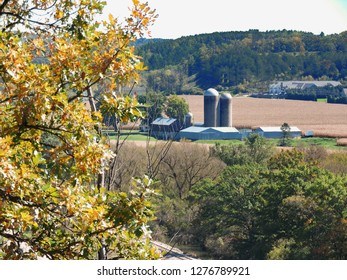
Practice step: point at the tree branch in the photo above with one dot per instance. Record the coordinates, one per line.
(3, 5)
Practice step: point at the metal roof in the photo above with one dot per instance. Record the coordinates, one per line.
(163, 121)
(304, 84)
(225, 129)
(195, 129)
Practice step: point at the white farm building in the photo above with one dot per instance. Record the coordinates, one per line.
(210, 133)
(276, 132)
(281, 86)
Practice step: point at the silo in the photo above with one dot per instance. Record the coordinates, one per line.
(211, 112)
(225, 103)
(188, 120)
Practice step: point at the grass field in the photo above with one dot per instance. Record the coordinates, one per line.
(326, 120)
(131, 135)
(321, 141)
(328, 143)
(140, 139)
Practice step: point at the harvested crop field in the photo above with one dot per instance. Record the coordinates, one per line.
(342, 142)
(326, 120)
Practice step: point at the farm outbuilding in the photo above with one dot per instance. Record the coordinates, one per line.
(210, 133)
(165, 128)
(281, 86)
(276, 132)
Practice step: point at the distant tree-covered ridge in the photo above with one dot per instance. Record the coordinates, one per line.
(245, 61)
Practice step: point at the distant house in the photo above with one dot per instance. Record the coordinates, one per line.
(210, 133)
(165, 128)
(281, 86)
(276, 132)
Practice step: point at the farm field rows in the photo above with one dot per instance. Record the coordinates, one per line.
(326, 120)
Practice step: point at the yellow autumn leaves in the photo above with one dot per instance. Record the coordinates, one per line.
(51, 148)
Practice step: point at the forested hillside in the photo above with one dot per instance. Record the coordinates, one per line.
(243, 61)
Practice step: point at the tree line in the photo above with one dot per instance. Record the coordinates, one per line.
(248, 60)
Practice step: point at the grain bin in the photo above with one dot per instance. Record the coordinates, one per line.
(225, 104)
(211, 110)
(188, 120)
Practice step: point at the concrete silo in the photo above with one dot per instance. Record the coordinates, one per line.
(211, 110)
(225, 103)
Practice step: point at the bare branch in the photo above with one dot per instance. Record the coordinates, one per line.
(3, 5)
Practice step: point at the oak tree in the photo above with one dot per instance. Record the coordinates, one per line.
(52, 52)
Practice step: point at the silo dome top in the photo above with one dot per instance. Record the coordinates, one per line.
(211, 92)
(189, 114)
(225, 95)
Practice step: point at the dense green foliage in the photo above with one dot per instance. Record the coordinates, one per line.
(256, 149)
(258, 204)
(176, 107)
(288, 208)
(154, 104)
(248, 60)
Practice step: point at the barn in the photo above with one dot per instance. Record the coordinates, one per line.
(165, 128)
(276, 132)
(209, 133)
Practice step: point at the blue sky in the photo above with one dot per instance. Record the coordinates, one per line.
(188, 17)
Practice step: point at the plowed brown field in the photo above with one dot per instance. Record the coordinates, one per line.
(326, 120)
